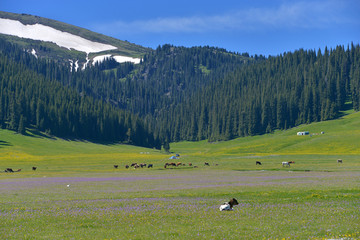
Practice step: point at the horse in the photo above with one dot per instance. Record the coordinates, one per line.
(228, 206)
(207, 164)
(126, 166)
(339, 161)
(33, 168)
(150, 165)
(258, 163)
(116, 166)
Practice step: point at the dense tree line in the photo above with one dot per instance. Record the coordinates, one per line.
(279, 93)
(180, 93)
(31, 95)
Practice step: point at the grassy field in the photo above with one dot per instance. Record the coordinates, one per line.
(76, 193)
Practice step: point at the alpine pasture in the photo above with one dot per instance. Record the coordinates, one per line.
(76, 193)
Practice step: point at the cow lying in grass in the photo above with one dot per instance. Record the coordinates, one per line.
(228, 206)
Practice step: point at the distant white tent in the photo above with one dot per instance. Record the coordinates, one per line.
(173, 157)
(303, 133)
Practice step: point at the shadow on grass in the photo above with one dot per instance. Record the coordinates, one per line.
(346, 110)
(37, 134)
(4, 144)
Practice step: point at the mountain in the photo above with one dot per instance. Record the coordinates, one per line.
(64, 42)
(172, 94)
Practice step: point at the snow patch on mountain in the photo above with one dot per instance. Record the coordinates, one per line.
(122, 59)
(119, 59)
(33, 52)
(49, 34)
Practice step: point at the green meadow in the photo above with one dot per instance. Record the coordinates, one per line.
(76, 193)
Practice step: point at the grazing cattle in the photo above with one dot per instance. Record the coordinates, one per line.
(142, 165)
(126, 166)
(116, 166)
(291, 162)
(133, 164)
(169, 164)
(11, 170)
(207, 164)
(228, 206)
(178, 164)
(150, 165)
(190, 164)
(258, 163)
(136, 166)
(285, 164)
(34, 168)
(339, 161)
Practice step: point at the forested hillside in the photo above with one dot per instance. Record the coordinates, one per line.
(178, 93)
(279, 93)
(32, 95)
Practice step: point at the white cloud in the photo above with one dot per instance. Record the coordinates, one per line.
(304, 14)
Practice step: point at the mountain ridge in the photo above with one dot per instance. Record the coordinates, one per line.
(119, 48)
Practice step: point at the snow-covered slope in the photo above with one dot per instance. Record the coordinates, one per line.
(63, 39)
(45, 33)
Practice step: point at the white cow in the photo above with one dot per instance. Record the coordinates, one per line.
(285, 164)
(228, 206)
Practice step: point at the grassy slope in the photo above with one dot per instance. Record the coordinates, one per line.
(317, 152)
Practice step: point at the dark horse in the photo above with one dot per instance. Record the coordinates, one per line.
(258, 163)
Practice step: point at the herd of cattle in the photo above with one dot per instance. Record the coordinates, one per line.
(167, 165)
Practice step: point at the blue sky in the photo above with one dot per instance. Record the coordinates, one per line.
(267, 27)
